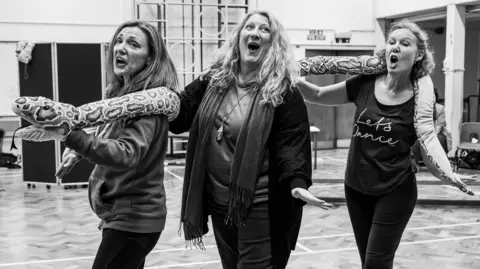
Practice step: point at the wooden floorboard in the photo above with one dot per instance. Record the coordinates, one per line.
(41, 228)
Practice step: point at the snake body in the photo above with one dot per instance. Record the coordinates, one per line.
(433, 155)
(45, 113)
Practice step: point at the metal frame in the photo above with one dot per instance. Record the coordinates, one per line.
(197, 38)
(468, 102)
(33, 184)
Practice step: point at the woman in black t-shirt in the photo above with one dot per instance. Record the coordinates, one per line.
(380, 185)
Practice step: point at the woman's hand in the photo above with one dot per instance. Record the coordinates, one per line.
(308, 197)
(69, 159)
(461, 185)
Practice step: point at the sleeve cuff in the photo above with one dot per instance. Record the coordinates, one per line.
(75, 140)
(298, 183)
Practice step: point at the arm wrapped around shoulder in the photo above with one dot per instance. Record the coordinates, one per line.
(432, 152)
(353, 65)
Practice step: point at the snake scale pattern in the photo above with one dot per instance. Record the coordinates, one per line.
(44, 113)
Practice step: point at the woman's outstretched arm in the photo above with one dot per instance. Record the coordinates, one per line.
(331, 95)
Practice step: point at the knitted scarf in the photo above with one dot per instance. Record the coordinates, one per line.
(250, 147)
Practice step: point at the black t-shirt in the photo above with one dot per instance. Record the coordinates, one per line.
(379, 155)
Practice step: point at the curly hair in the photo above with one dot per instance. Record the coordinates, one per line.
(160, 72)
(425, 65)
(278, 72)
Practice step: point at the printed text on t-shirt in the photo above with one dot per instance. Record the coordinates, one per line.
(380, 124)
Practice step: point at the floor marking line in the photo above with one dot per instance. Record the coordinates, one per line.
(443, 226)
(92, 257)
(304, 247)
(409, 229)
(293, 253)
(324, 236)
(317, 252)
(323, 185)
(334, 159)
(183, 264)
(174, 175)
(46, 261)
(178, 249)
(401, 244)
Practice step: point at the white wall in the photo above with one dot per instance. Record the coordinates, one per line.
(62, 20)
(308, 14)
(388, 8)
(9, 90)
(299, 16)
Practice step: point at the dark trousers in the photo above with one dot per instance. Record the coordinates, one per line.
(248, 247)
(124, 250)
(379, 221)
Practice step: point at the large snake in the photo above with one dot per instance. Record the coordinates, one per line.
(433, 155)
(46, 114)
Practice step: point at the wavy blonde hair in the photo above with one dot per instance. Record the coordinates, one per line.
(159, 72)
(278, 72)
(424, 66)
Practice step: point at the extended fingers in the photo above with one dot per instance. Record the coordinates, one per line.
(324, 205)
(69, 161)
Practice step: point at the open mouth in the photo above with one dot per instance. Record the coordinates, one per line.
(27, 120)
(253, 47)
(393, 59)
(120, 61)
(24, 114)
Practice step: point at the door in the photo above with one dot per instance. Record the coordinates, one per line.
(79, 82)
(335, 123)
(36, 79)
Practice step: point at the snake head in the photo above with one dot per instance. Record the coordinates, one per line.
(44, 113)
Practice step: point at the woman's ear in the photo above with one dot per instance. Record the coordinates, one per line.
(420, 55)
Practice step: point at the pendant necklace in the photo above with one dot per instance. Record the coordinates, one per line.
(225, 117)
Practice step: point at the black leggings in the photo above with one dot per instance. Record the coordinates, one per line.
(124, 250)
(379, 221)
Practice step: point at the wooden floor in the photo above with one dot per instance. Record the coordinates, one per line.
(56, 228)
(328, 178)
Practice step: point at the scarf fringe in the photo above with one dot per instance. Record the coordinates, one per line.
(239, 202)
(193, 235)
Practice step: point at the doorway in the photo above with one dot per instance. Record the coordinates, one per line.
(335, 123)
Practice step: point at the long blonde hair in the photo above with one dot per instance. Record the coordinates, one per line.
(278, 72)
(159, 72)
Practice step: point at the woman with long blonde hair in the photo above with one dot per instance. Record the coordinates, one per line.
(248, 161)
(392, 112)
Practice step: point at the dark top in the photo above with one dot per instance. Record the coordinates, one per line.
(379, 155)
(220, 153)
(289, 159)
(126, 188)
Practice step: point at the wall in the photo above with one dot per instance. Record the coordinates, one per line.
(390, 8)
(437, 41)
(83, 21)
(471, 63)
(68, 21)
(299, 16)
(92, 21)
(9, 83)
(471, 75)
